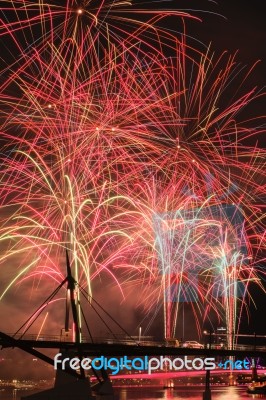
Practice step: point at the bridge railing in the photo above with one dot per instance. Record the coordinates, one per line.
(85, 339)
(37, 337)
(120, 341)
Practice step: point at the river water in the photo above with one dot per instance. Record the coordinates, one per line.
(151, 393)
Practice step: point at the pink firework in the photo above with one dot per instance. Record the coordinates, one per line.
(139, 162)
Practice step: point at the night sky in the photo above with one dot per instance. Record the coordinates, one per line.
(240, 28)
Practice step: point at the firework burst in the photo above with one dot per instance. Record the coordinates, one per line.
(138, 162)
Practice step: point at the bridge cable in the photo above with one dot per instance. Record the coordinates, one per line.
(100, 317)
(86, 323)
(39, 310)
(86, 294)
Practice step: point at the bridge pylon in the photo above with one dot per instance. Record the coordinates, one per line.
(207, 395)
(67, 386)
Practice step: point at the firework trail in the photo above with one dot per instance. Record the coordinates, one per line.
(209, 218)
(136, 161)
(73, 110)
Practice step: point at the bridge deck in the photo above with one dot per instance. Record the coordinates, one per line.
(120, 348)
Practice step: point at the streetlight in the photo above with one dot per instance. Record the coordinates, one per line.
(208, 345)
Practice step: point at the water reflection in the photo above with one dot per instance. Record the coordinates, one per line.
(231, 394)
(152, 393)
(195, 393)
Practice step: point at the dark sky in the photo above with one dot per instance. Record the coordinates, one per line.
(232, 25)
(243, 30)
(240, 27)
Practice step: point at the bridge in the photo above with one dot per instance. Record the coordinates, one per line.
(82, 346)
(108, 347)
